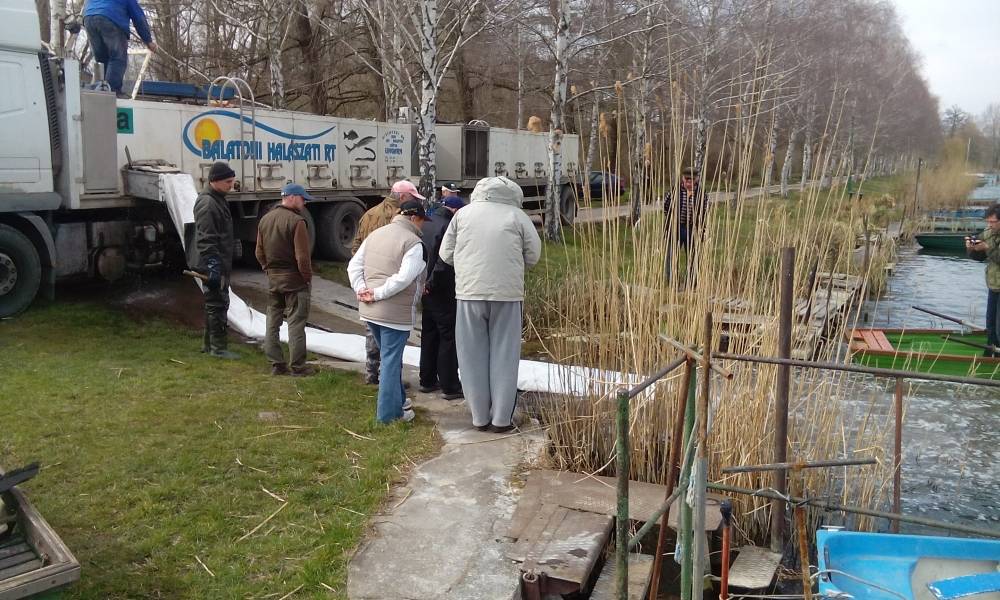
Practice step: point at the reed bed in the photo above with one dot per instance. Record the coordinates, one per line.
(602, 300)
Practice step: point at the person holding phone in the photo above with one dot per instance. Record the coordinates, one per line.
(986, 248)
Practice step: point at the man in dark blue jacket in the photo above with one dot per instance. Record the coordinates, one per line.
(438, 354)
(107, 24)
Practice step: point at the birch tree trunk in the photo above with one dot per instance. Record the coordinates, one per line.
(595, 119)
(553, 231)
(700, 139)
(426, 134)
(767, 172)
(520, 81)
(786, 165)
(275, 42)
(640, 170)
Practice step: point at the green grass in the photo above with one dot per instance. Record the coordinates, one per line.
(141, 439)
(332, 271)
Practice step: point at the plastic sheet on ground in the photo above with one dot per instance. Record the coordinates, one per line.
(179, 194)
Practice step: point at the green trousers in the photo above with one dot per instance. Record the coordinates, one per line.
(292, 307)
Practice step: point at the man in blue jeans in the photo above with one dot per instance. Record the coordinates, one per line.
(387, 274)
(107, 24)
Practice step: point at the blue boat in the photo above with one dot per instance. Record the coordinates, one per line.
(881, 566)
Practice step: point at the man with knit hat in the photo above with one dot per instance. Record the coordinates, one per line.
(490, 243)
(379, 216)
(283, 253)
(387, 274)
(213, 256)
(438, 355)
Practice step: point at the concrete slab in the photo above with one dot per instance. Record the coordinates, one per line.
(442, 536)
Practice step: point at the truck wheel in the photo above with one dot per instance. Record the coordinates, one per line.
(567, 206)
(337, 225)
(20, 271)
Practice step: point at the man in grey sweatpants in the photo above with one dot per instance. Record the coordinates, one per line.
(490, 242)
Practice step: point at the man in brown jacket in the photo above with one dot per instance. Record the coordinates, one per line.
(379, 216)
(283, 252)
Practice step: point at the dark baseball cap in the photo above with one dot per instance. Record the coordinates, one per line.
(294, 189)
(452, 187)
(412, 208)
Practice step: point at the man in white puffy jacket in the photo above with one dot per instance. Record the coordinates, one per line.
(490, 242)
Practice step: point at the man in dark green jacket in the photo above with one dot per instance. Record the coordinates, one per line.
(214, 243)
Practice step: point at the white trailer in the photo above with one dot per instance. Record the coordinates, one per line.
(79, 168)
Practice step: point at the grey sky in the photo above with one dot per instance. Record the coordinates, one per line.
(959, 41)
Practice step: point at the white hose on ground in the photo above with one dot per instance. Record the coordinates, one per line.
(179, 194)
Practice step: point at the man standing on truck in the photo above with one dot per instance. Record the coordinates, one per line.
(107, 25)
(379, 216)
(387, 274)
(438, 355)
(213, 256)
(490, 243)
(283, 253)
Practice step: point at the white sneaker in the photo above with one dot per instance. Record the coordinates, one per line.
(408, 415)
(407, 404)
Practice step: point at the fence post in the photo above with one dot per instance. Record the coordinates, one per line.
(897, 457)
(686, 514)
(779, 478)
(621, 531)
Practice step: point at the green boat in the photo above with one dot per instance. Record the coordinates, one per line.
(953, 241)
(939, 351)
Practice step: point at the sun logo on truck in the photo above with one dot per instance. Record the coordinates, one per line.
(207, 130)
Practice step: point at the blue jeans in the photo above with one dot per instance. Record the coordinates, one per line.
(110, 46)
(390, 380)
(993, 318)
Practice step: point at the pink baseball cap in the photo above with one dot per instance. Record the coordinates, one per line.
(405, 186)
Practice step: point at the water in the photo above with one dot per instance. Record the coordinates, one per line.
(950, 432)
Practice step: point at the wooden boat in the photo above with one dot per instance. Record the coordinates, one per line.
(882, 566)
(939, 351)
(944, 240)
(34, 561)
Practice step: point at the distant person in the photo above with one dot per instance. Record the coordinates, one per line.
(107, 23)
(490, 243)
(438, 354)
(379, 216)
(387, 274)
(685, 220)
(987, 248)
(213, 255)
(283, 253)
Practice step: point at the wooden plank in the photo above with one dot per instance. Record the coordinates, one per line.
(16, 548)
(713, 517)
(16, 559)
(640, 570)
(870, 340)
(882, 341)
(25, 567)
(569, 546)
(588, 493)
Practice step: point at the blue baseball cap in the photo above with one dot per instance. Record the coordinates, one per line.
(294, 189)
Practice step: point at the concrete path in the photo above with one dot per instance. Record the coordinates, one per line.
(441, 535)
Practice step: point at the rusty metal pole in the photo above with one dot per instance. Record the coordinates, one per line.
(897, 457)
(673, 471)
(621, 534)
(779, 478)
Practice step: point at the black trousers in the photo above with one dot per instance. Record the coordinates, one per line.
(216, 317)
(438, 356)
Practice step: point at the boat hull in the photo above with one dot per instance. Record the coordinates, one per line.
(938, 351)
(951, 241)
(904, 564)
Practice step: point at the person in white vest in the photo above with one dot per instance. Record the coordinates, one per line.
(387, 274)
(490, 243)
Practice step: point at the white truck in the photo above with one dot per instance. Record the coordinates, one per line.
(79, 168)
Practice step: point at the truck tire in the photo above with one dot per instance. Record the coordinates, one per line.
(567, 206)
(337, 224)
(20, 271)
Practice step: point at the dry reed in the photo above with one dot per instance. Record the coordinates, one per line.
(606, 303)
